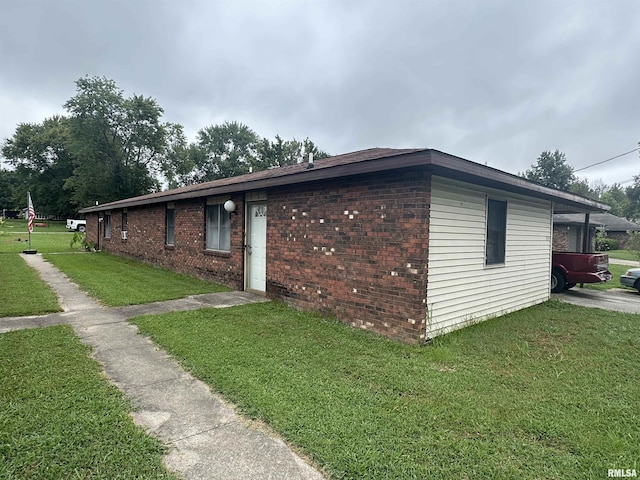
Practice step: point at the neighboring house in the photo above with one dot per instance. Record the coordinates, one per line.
(407, 243)
(568, 230)
(39, 215)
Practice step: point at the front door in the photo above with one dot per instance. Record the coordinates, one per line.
(257, 247)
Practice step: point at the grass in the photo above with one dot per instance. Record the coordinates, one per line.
(60, 418)
(54, 238)
(23, 292)
(117, 281)
(548, 392)
(623, 255)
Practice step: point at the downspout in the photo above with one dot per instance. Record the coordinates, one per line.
(100, 227)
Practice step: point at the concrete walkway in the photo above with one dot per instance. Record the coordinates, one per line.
(631, 263)
(207, 439)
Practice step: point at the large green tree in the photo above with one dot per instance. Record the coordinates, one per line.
(281, 152)
(7, 182)
(119, 144)
(42, 164)
(616, 197)
(551, 170)
(111, 147)
(633, 197)
(226, 150)
(231, 149)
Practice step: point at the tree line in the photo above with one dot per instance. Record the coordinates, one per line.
(553, 170)
(108, 147)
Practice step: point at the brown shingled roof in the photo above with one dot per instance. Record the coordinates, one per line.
(611, 222)
(362, 162)
(246, 181)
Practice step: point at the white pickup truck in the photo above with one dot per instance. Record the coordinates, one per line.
(77, 225)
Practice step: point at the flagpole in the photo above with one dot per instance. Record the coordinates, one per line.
(31, 216)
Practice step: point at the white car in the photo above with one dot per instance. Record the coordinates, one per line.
(77, 225)
(631, 278)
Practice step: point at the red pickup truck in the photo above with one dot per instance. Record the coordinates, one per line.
(569, 269)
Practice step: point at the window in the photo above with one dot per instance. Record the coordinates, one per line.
(107, 225)
(496, 231)
(218, 228)
(125, 222)
(170, 220)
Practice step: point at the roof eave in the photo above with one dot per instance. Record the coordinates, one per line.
(437, 162)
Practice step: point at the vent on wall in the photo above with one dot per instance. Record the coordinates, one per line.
(124, 235)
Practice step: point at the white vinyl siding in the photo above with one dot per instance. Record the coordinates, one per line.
(461, 288)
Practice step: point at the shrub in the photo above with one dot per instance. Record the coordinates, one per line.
(606, 244)
(633, 245)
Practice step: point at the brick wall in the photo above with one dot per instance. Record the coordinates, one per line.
(354, 248)
(560, 238)
(565, 238)
(146, 233)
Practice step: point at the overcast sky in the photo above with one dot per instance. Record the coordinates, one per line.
(494, 81)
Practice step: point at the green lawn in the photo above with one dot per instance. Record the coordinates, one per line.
(22, 291)
(54, 238)
(60, 417)
(623, 255)
(20, 226)
(548, 392)
(117, 281)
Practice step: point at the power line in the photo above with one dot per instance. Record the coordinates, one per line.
(607, 160)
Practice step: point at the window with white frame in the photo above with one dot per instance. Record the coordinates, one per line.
(496, 231)
(170, 223)
(218, 233)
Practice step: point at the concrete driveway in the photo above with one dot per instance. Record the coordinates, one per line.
(617, 299)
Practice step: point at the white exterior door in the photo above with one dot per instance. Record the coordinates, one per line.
(257, 247)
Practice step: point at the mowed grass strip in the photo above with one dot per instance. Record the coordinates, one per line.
(60, 418)
(117, 281)
(548, 392)
(628, 255)
(22, 291)
(53, 238)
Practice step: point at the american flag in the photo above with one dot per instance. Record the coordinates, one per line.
(31, 215)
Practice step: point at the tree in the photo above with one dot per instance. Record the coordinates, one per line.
(617, 198)
(220, 151)
(231, 149)
(551, 170)
(7, 180)
(42, 160)
(632, 192)
(582, 186)
(175, 161)
(290, 152)
(118, 143)
(633, 244)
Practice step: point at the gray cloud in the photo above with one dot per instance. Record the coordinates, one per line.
(493, 81)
